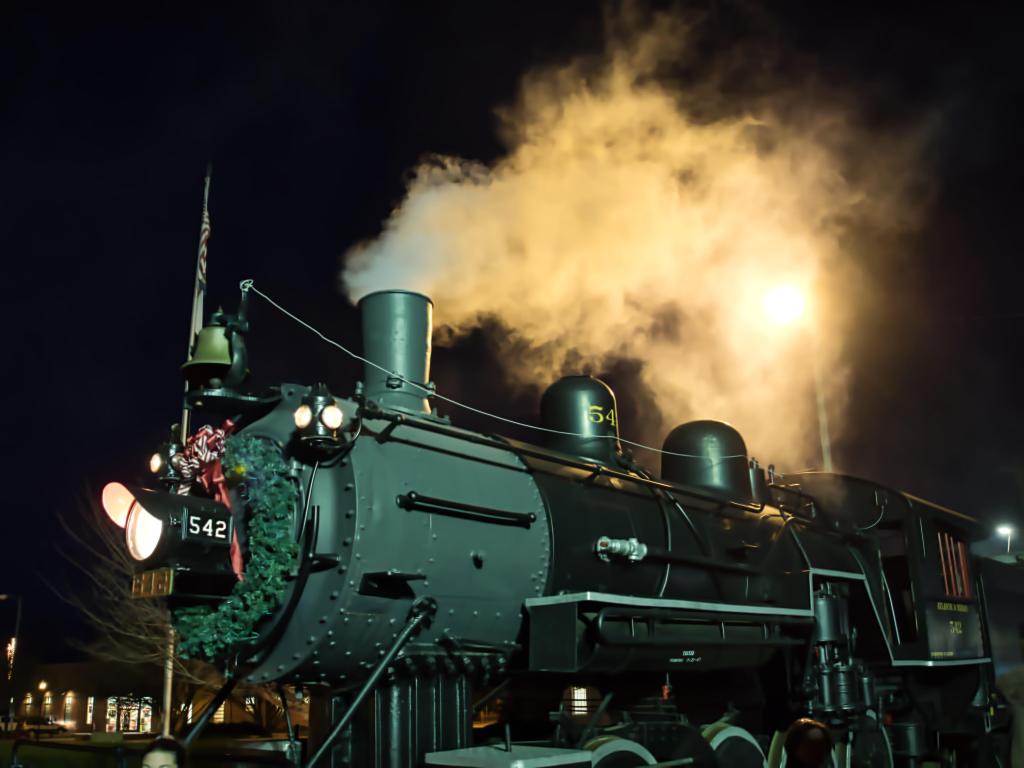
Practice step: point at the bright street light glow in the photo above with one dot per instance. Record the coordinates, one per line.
(12, 647)
(1007, 531)
(784, 304)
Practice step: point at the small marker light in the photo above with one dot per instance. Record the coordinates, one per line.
(331, 416)
(303, 416)
(162, 464)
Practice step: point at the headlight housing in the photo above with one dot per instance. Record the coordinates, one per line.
(318, 423)
(170, 529)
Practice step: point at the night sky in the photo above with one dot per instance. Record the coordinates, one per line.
(312, 115)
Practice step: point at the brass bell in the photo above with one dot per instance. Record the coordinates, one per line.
(211, 357)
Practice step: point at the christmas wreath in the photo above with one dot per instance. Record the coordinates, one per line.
(254, 469)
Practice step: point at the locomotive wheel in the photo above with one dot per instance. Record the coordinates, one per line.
(777, 753)
(734, 747)
(686, 743)
(777, 758)
(616, 752)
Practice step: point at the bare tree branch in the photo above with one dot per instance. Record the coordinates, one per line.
(127, 630)
(135, 631)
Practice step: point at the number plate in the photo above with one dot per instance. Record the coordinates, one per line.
(207, 528)
(158, 583)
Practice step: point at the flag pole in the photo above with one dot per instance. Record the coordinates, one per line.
(198, 293)
(195, 325)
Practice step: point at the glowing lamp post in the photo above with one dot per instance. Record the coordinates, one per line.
(1007, 531)
(786, 305)
(12, 650)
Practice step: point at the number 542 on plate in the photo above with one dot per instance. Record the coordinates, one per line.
(208, 528)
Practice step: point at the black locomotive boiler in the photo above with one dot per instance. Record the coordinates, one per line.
(463, 599)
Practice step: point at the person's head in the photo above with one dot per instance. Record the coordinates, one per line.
(164, 752)
(808, 744)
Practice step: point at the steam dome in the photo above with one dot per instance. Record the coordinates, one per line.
(715, 459)
(586, 407)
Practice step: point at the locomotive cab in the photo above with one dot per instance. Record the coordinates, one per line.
(919, 580)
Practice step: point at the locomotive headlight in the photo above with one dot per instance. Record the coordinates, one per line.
(142, 533)
(303, 416)
(190, 533)
(331, 416)
(181, 543)
(318, 420)
(156, 463)
(117, 503)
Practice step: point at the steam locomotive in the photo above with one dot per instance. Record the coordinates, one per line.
(465, 599)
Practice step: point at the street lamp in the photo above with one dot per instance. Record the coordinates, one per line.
(1007, 531)
(786, 305)
(12, 650)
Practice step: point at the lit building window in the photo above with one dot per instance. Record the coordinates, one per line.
(111, 714)
(146, 715)
(250, 702)
(47, 704)
(130, 714)
(578, 703)
(89, 704)
(69, 707)
(218, 716)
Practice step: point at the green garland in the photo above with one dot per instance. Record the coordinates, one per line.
(210, 633)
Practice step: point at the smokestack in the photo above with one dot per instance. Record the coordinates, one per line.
(396, 336)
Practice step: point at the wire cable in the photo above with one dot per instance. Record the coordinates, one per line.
(429, 391)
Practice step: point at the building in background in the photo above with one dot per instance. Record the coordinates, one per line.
(95, 696)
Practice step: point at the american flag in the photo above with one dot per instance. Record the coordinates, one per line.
(200, 284)
(204, 238)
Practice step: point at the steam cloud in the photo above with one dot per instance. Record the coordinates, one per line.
(633, 219)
